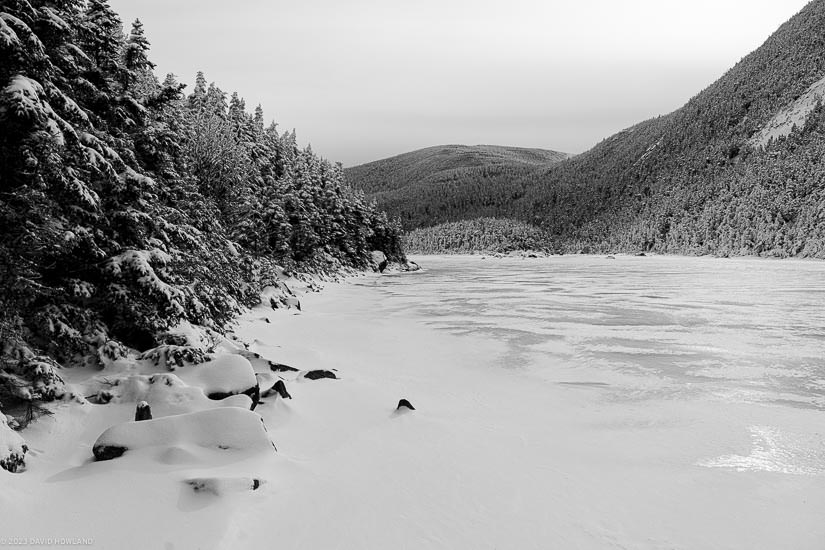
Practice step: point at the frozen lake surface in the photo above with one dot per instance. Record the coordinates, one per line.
(742, 330)
(568, 402)
(637, 329)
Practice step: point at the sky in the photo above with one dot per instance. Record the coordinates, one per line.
(362, 80)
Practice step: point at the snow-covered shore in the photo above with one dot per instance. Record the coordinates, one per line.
(494, 456)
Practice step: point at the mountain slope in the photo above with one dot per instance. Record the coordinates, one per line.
(696, 181)
(692, 182)
(449, 181)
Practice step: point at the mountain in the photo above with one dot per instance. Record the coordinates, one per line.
(448, 182)
(737, 170)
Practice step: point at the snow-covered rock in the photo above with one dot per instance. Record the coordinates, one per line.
(378, 261)
(166, 394)
(225, 375)
(227, 429)
(12, 447)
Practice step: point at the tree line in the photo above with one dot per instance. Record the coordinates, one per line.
(127, 205)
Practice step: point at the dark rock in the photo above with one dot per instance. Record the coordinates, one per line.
(280, 389)
(610, 258)
(641, 254)
(254, 393)
(103, 397)
(258, 359)
(318, 374)
(108, 452)
(143, 412)
(267, 320)
(280, 367)
(404, 404)
(382, 266)
(274, 303)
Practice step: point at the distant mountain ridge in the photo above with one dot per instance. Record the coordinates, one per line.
(456, 178)
(737, 170)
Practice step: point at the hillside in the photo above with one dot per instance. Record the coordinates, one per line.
(697, 181)
(448, 182)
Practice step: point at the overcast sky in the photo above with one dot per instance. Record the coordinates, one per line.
(367, 79)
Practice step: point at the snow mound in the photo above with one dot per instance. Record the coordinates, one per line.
(792, 115)
(168, 395)
(12, 447)
(227, 429)
(225, 375)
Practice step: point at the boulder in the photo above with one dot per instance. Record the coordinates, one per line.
(143, 412)
(229, 429)
(224, 376)
(280, 389)
(404, 404)
(379, 261)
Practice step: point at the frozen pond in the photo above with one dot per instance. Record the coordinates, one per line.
(642, 329)
(683, 328)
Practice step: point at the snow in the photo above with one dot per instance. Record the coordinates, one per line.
(8, 38)
(226, 429)
(12, 446)
(226, 374)
(139, 262)
(562, 402)
(792, 115)
(165, 393)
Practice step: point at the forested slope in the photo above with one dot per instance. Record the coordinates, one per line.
(692, 182)
(449, 182)
(127, 206)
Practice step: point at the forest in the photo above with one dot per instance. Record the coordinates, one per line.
(691, 182)
(480, 235)
(128, 205)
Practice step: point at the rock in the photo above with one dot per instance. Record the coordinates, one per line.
(610, 258)
(143, 412)
(280, 389)
(103, 397)
(379, 261)
(225, 375)
(404, 404)
(280, 367)
(254, 393)
(108, 452)
(228, 429)
(318, 374)
(641, 254)
(256, 359)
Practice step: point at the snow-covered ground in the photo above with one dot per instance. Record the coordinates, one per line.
(572, 402)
